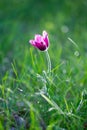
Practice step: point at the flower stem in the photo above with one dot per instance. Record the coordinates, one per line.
(49, 62)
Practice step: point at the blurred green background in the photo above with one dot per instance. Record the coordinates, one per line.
(21, 19)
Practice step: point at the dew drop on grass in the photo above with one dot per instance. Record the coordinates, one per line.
(40, 106)
(20, 90)
(64, 29)
(50, 109)
(76, 53)
(64, 71)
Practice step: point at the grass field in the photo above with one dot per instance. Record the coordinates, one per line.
(30, 98)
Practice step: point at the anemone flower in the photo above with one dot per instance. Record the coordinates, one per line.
(40, 41)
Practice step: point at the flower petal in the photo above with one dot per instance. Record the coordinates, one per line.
(45, 38)
(45, 34)
(32, 42)
(41, 46)
(40, 41)
(38, 38)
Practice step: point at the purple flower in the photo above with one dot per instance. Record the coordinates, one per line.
(40, 41)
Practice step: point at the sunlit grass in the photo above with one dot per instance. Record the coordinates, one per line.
(21, 92)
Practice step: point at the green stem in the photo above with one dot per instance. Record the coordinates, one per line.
(49, 62)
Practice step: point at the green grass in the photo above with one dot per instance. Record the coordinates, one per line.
(22, 105)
